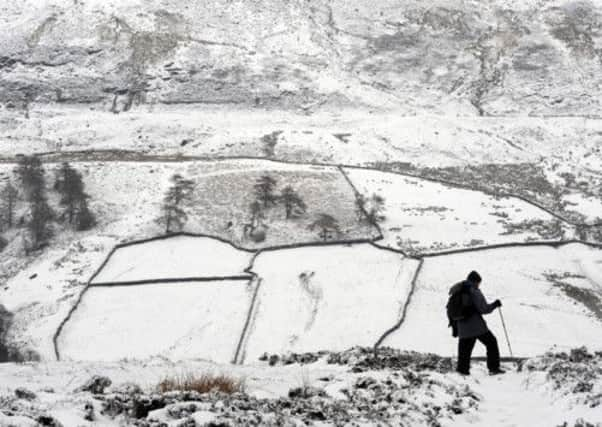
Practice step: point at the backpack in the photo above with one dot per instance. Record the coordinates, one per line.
(459, 305)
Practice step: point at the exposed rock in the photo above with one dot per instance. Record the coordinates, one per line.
(362, 359)
(48, 421)
(305, 392)
(5, 320)
(486, 59)
(401, 398)
(128, 388)
(89, 411)
(95, 385)
(577, 373)
(23, 393)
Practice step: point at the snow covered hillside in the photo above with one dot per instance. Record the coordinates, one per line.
(551, 300)
(471, 57)
(235, 212)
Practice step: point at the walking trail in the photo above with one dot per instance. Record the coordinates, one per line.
(514, 399)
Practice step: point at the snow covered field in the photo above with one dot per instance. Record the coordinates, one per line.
(424, 216)
(551, 299)
(126, 197)
(174, 258)
(319, 298)
(200, 320)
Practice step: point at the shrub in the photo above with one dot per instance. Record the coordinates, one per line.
(202, 384)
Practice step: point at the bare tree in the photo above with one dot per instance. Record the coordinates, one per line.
(31, 174)
(173, 210)
(8, 202)
(375, 209)
(264, 190)
(327, 226)
(256, 228)
(360, 207)
(269, 143)
(371, 210)
(292, 201)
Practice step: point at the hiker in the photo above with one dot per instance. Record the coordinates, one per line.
(465, 311)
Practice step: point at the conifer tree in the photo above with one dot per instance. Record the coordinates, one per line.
(31, 173)
(292, 201)
(327, 225)
(70, 186)
(173, 215)
(264, 190)
(8, 202)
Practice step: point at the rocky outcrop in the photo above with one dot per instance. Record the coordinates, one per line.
(389, 401)
(362, 359)
(95, 385)
(577, 373)
(483, 58)
(5, 320)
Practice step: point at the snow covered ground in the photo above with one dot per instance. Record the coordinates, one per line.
(549, 390)
(500, 96)
(176, 320)
(126, 197)
(552, 298)
(319, 298)
(425, 216)
(174, 258)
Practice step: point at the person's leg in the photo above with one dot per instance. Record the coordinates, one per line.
(493, 352)
(465, 346)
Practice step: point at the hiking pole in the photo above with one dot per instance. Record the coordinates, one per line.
(505, 331)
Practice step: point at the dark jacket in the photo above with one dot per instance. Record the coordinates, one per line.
(474, 325)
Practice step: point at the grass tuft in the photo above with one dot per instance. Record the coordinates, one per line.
(204, 383)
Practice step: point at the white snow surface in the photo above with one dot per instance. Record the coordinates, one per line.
(514, 399)
(326, 298)
(539, 316)
(175, 320)
(174, 257)
(421, 215)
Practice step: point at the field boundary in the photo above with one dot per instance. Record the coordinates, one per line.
(363, 208)
(134, 156)
(372, 241)
(245, 331)
(404, 310)
(251, 275)
(256, 253)
(172, 280)
(422, 257)
(244, 336)
(555, 244)
(76, 304)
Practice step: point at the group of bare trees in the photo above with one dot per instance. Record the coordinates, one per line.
(266, 197)
(178, 199)
(265, 192)
(30, 187)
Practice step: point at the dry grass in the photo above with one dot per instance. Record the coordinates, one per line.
(201, 383)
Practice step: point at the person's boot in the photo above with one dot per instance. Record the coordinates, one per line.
(497, 371)
(463, 373)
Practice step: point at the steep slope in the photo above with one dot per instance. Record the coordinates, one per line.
(472, 57)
